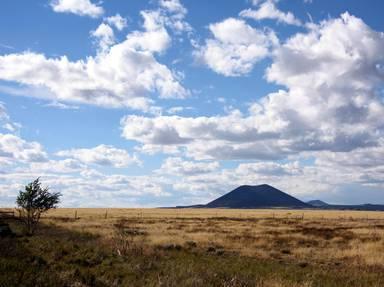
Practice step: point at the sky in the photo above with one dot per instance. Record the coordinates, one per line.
(138, 103)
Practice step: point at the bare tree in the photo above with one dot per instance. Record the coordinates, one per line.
(33, 202)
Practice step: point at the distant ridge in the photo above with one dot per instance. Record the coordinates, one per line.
(317, 203)
(366, 207)
(259, 196)
(266, 196)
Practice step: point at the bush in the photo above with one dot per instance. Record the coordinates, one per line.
(33, 202)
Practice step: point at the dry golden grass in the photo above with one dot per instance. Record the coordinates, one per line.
(198, 247)
(207, 213)
(309, 236)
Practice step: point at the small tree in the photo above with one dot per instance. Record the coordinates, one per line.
(33, 202)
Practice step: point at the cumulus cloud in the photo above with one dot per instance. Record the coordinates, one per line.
(269, 168)
(218, 137)
(5, 120)
(126, 74)
(104, 33)
(305, 181)
(155, 38)
(268, 10)
(180, 167)
(175, 110)
(78, 7)
(232, 127)
(226, 150)
(14, 148)
(172, 13)
(113, 190)
(329, 109)
(366, 157)
(122, 77)
(173, 6)
(64, 166)
(235, 47)
(105, 36)
(23, 161)
(330, 112)
(332, 74)
(103, 155)
(207, 186)
(117, 21)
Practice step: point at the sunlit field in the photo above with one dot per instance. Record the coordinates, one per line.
(198, 247)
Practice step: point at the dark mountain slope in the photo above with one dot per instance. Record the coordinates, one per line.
(260, 196)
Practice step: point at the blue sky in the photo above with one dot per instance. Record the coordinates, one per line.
(167, 102)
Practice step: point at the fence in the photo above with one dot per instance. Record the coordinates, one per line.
(7, 214)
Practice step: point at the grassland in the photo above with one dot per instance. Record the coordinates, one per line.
(197, 247)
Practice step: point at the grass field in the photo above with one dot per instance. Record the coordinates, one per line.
(197, 247)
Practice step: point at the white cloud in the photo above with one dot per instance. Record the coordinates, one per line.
(269, 169)
(78, 7)
(98, 190)
(151, 149)
(175, 110)
(268, 10)
(103, 155)
(170, 130)
(330, 112)
(104, 33)
(178, 109)
(155, 38)
(367, 157)
(57, 166)
(5, 120)
(117, 21)
(14, 148)
(235, 47)
(3, 112)
(256, 2)
(22, 162)
(105, 36)
(173, 14)
(121, 78)
(329, 108)
(224, 137)
(305, 181)
(61, 106)
(290, 177)
(177, 166)
(332, 74)
(126, 74)
(173, 6)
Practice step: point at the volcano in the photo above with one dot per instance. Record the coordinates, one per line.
(259, 196)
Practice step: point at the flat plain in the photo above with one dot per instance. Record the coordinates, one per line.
(197, 247)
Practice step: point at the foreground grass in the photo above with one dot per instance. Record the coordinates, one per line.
(64, 253)
(315, 236)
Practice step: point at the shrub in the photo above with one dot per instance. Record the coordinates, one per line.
(33, 202)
